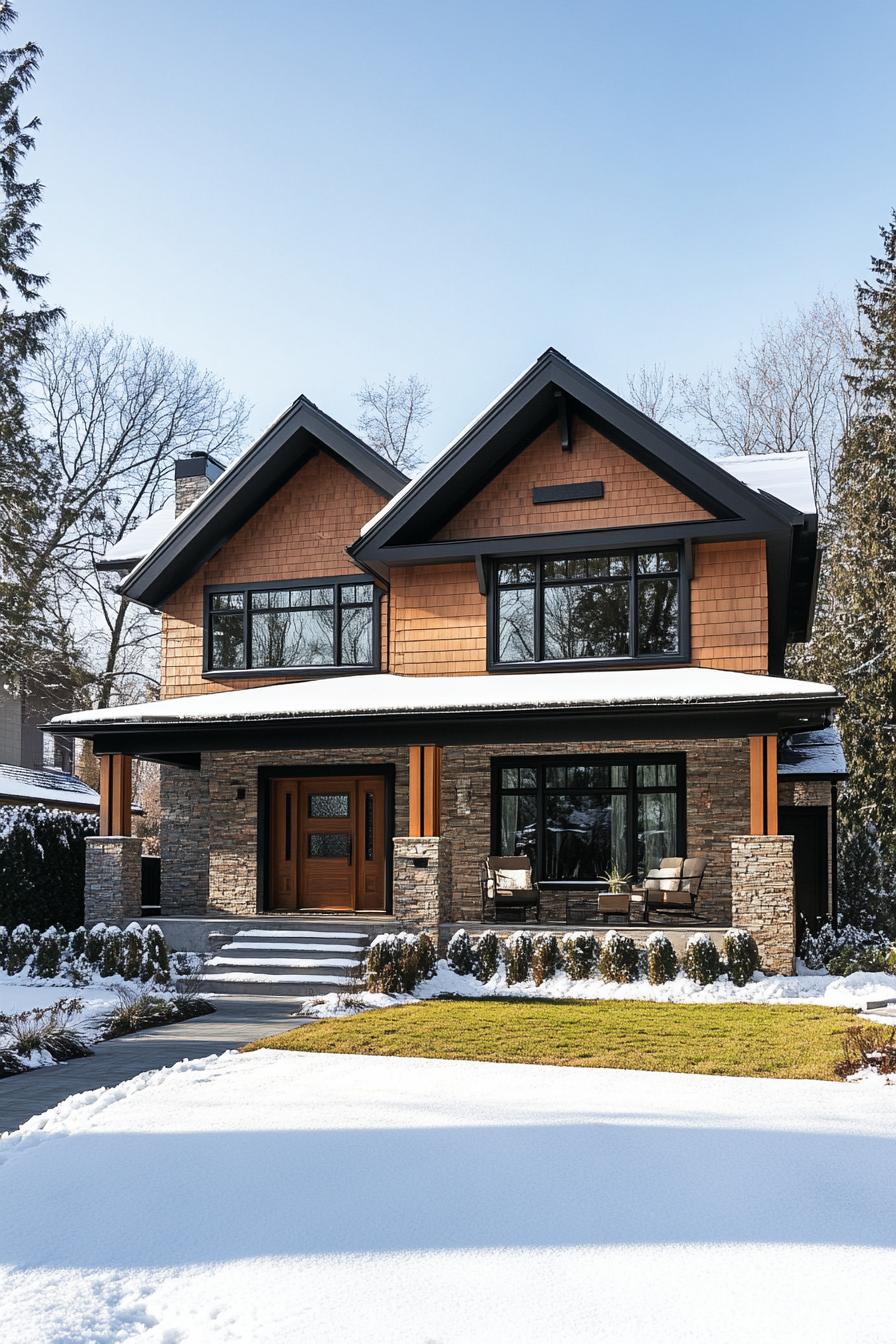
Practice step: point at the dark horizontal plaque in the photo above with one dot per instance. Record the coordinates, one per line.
(556, 494)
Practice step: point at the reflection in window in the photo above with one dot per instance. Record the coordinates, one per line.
(328, 625)
(591, 606)
(577, 820)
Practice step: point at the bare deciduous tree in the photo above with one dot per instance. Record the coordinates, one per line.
(111, 413)
(785, 392)
(654, 391)
(393, 413)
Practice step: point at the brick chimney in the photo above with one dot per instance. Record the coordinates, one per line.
(192, 477)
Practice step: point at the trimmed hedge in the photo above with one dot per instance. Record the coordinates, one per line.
(398, 962)
(42, 866)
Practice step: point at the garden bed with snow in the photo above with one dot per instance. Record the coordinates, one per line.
(402, 968)
(832, 991)
(61, 992)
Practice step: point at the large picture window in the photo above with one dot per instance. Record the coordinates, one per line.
(577, 819)
(329, 624)
(601, 607)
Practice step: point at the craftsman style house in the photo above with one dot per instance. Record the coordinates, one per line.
(565, 637)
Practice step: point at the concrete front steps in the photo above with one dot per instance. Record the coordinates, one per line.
(306, 959)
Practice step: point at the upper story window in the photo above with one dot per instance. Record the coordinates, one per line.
(330, 624)
(601, 607)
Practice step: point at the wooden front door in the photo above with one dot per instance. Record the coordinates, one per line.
(327, 843)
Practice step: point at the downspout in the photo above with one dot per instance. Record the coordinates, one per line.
(834, 853)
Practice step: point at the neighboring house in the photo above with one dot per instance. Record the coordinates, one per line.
(36, 767)
(565, 636)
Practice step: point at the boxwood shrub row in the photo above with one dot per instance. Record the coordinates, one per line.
(615, 957)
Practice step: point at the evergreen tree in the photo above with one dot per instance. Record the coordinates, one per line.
(29, 643)
(855, 640)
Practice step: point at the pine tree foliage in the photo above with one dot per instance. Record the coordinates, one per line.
(28, 637)
(854, 646)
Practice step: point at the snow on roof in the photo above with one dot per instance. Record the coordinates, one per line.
(819, 752)
(787, 476)
(385, 693)
(45, 786)
(143, 538)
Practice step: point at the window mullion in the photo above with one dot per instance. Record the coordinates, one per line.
(247, 648)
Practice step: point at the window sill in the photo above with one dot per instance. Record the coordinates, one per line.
(590, 664)
(285, 673)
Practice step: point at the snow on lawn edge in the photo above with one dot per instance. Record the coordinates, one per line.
(829, 991)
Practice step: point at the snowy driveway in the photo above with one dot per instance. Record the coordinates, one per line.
(287, 1196)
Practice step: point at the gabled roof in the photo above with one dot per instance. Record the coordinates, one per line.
(291, 441)
(527, 407)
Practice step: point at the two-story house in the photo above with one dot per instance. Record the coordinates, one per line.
(565, 636)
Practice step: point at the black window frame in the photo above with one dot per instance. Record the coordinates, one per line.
(631, 759)
(683, 573)
(337, 668)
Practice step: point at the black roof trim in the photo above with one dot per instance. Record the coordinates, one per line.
(291, 441)
(645, 722)
(525, 410)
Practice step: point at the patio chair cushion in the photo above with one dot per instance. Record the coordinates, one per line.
(517, 879)
(663, 879)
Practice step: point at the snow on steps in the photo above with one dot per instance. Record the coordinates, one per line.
(295, 962)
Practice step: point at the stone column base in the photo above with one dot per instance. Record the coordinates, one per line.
(112, 879)
(762, 897)
(421, 876)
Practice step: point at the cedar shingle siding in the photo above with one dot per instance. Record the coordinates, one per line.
(301, 533)
(633, 495)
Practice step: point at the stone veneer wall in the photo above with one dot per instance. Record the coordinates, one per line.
(112, 879)
(762, 897)
(183, 840)
(717, 800)
(421, 883)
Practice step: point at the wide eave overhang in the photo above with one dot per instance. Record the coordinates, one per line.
(173, 739)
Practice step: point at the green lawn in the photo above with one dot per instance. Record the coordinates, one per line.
(742, 1039)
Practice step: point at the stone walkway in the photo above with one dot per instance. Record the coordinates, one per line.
(234, 1022)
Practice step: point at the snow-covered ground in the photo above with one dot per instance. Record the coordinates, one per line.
(328, 1197)
(833, 991)
(22, 996)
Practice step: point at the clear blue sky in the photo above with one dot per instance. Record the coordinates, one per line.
(303, 196)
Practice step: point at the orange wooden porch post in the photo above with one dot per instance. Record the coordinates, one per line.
(424, 790)
(115, 795)
(764, 785)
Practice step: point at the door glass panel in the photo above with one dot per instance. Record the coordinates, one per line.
(368, 825)
(328, 805)
(288, 828)
(329, 845)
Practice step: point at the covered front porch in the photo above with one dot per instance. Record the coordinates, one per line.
(378, 798)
